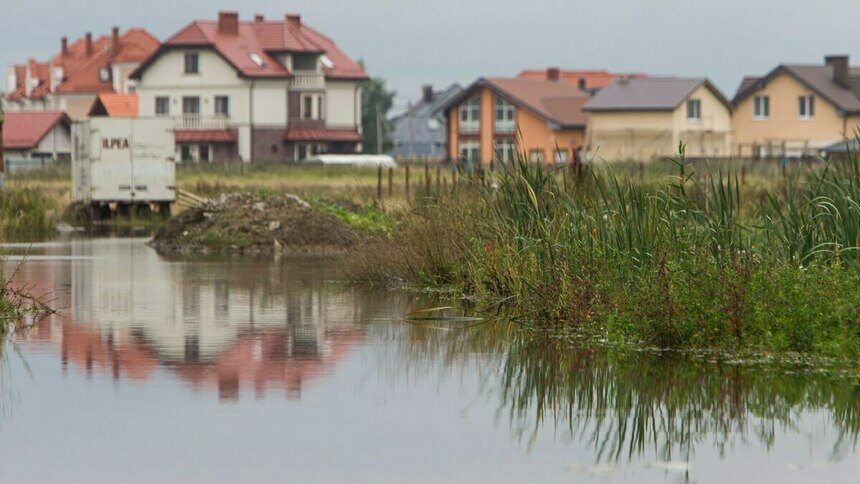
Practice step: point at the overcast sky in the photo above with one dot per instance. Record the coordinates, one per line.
(411, 42)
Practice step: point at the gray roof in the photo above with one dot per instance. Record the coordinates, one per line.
(844, 147)
(648, 94)
(817, 78)
(413, 132)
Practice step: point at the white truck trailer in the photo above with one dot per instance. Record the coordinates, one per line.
(123, 164)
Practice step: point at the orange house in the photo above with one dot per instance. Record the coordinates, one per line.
(495, 118)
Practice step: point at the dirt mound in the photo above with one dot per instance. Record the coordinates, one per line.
(255, 224)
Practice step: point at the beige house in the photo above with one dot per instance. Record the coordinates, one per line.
(797, 110)
(646, 119)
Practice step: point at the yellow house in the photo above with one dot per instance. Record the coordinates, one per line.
(797, 110)
(646, 119)
(496, 118)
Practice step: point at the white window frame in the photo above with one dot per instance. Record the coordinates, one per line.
(469, 150)
(190, 98)
(806, 107)
(216, 105)
(560, 156)
(761, 108)
(694, 110)
(508, 112)
(317, 107)
(537, 155)
(505, 150)
(469, 115)
(185, 63)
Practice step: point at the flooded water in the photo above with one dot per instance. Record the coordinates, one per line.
(240, 370)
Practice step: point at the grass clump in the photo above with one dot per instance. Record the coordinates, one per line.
(26, 212)
(367, 219)
(691, 262)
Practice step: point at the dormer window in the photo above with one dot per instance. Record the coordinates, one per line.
(104, 74)
(256, 59)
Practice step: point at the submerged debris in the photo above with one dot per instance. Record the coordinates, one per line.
(250, 223)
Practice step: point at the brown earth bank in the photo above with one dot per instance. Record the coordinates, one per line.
(250, 223)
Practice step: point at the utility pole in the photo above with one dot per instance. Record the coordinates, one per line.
(378, 131)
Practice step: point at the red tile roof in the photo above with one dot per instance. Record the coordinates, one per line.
(115, 105)
(209, 135)
(594, 79)
(297, 133)
(265, 39)
(23, 130)
(81, 71)
(135, 46)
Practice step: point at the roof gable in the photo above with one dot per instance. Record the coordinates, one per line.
(816, 78)
(262, 38)
(556, 102)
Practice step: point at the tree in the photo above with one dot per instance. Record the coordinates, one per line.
(376, 101)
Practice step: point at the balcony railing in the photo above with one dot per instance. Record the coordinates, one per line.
(308, 79)
(197, 122)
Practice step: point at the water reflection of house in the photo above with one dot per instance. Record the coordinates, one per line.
(214, 325)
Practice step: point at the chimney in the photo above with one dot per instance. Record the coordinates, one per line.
(427, 92)
(89, 43)
(259, 18)
(553, 74)
(114, 40)
(294, 19)
(839, 64)
(64, 46)
(228, 23)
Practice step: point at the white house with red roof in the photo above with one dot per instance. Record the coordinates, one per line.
(72, 80)
(260, 90)
(41, 135)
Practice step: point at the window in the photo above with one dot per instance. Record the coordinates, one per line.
(222, 105)
(470, 115)
(503, 115)
(761, 107)
(694, 109)
(192, 63)
(505, 151)
(536, 156)
(470, 150)
(190, 105)
(185, 152)
(326, 62)
(203, 152)
(806, 107)
(307, 107)
(301, 152)
(257, 59)
(104, 74)
(162, 106)
(320, 108)
(560, 156)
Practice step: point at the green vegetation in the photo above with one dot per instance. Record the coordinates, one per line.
(26, 212)
(367, 219)
(692, 260)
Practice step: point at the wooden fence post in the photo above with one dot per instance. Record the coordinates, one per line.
(407, 181)
(426, 178)
(743, 174)
(390, 182)
(379, 182)
(438, 175)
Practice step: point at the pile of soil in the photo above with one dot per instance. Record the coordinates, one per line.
(255, 224)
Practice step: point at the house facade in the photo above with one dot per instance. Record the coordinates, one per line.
(797, 110)
(646, 119)
(43, 136)
(261, 90)
(419, 132)
(496, 118)
(73, 79)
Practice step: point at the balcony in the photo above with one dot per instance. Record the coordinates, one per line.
(308, 79)
(198, 122)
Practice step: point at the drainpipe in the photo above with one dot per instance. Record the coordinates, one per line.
(251, 118)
